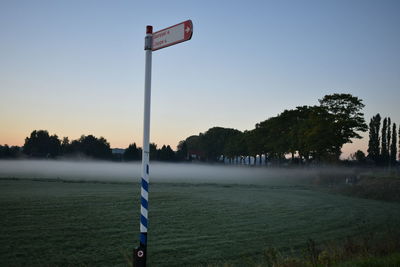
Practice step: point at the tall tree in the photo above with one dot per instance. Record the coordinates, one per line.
(348, 117)
(389, 135)
(374, 140)
(384, 150)
(393, 147)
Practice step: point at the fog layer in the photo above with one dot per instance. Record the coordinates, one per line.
(159, 172)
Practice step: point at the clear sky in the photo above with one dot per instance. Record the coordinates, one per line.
(77, 67)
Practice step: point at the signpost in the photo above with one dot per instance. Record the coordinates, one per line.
(153, 41)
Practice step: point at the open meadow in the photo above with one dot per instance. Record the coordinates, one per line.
(83, 222)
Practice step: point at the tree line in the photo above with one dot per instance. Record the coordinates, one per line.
(304, 135)
(40, 144)
(165, 153)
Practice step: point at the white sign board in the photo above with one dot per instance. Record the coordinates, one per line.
(172, 35)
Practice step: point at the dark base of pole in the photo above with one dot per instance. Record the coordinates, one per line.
(139, 256)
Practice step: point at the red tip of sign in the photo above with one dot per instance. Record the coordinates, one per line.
(149, 29)
(188, 29)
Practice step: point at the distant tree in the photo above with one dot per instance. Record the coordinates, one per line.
(254, 143)
(166, 153)
(91, 146)
(384, 150)
(4, 151)
(41, 144)
(359, 156)
(15, 151)
(132, 153)
(182, 151)
(65, 146)
(348, 118)
(321, 140)
(236, 147)
(374, 140)
(162, 153)
(170, 154)
(273, 136)
(7, 152)
(213, 142)
(393, 147)
(154, 152)
(195, 147)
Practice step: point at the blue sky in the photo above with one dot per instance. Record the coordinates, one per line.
(77, 67)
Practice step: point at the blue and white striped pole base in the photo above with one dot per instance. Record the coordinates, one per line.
(140, 253)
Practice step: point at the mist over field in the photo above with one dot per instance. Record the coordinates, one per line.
(159, 172)
(88, 212)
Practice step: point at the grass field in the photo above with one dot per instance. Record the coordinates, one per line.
(56, 222)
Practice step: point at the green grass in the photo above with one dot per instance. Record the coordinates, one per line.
(374, 187)
(96, 224)
(392, 260)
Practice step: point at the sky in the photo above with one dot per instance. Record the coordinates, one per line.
(77, 67)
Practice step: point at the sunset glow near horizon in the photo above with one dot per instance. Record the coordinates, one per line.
(77, 67)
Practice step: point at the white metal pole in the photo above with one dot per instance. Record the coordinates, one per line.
(146, 128)
(141, 252)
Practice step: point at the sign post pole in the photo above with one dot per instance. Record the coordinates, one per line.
(140, 253)
(153, 41)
